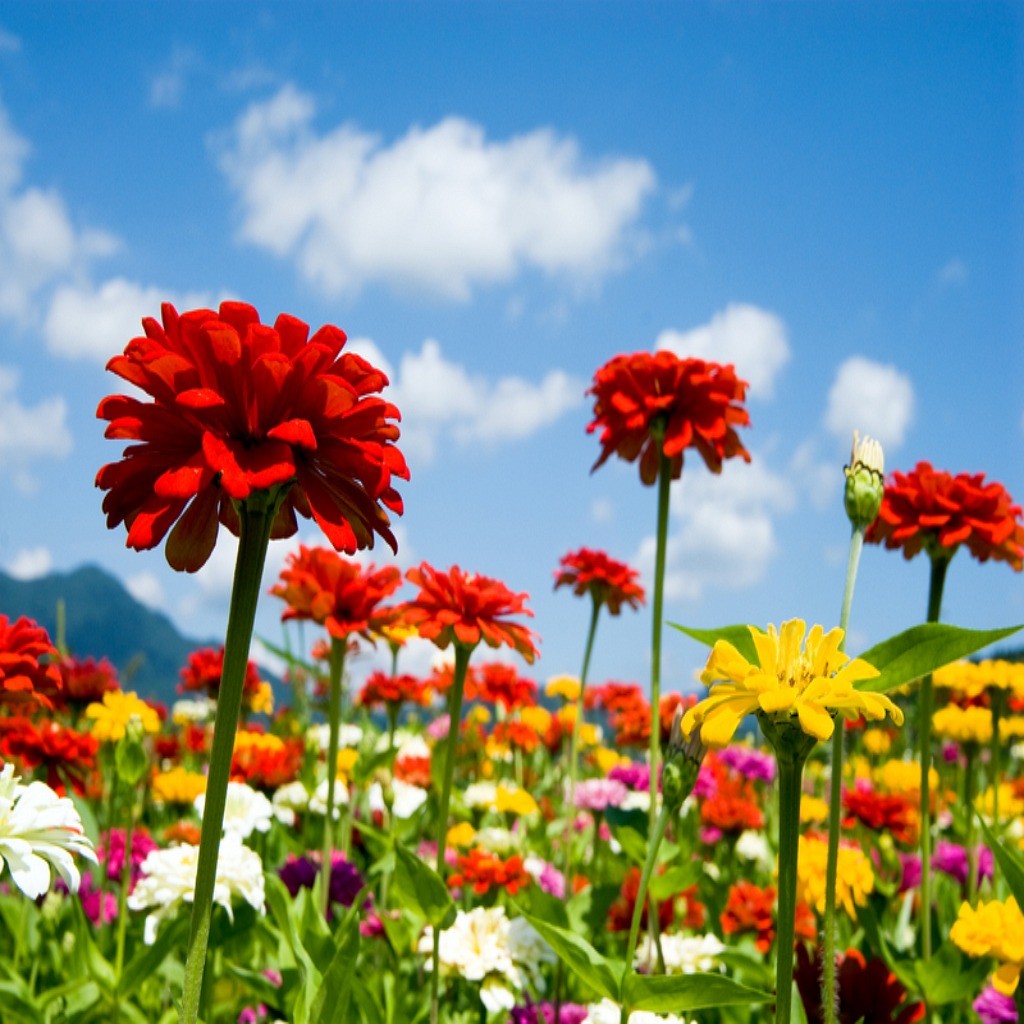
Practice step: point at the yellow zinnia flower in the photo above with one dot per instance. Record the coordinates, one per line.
(566, 687)
(111, 717)
(877, 741)
(607, 759)
(248, 739)
(515, 801)
(993, 929)
(537, 718)
(791, 679)
(963, 725)
(855, 879)
(813, 809)
(904, 777)
(461, 835)
(178, 786)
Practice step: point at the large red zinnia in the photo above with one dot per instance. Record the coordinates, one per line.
(335, 592)
(459, 607)
(609, 582)
(937, 511)
(28, 669)
(646, 397)
(203, 671)
(240, 407)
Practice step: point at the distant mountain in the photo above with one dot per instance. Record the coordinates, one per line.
(104, 620)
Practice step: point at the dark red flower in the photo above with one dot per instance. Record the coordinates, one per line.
(620, 913)
(646, 397)
(204, 669)
(610, 583)
(62, 751)
(28, 673)
(335, 592)
(881, 812)
(240, 407)
(937, 511)
(496, 682)
(382, 689)
(459, 607)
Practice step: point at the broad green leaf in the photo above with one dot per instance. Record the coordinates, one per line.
(142, 966)
(279, 904)
(16, 1000)
(674, 993)
(950, 976)
(676, 879)
(630, 831)
(595, 970)
(919, 650)
(745, 963)
(334, 996)
(738, 635)
(1010, 863)
(421, 888)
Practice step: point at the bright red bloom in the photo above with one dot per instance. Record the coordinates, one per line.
(609, 582)
(689, 403)
(931, 509)
(484, 871)
(268, 768)
(632, 725)
(733, 808)
(204, 669)
(516, 734)
(882, 812)
(86, 680)
(381, 688)
(495, 682)
(65, 753)
(667, 711)
(413, 769)
(28, 673)
(613, 697)
(335, 592)
(750, 908)
(460, 607)
(240, 407)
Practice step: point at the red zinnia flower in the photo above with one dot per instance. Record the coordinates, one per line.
(86, 680)
(65, 753)
(484, 871)
(27, 670)
(413, 769)
(732, 808)
(204, 669)
(882, 812)
(268, 768)
(240, 407)
(609, 582)
(931, 509)
(381, 688)
(498, 683)
(334, 592)
(516, 734)
(646, 398)
(459, 607)
(620, 913)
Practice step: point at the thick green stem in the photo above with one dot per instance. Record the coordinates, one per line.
(338, 645)
(828, 985)
(255, 515)
(970, 749)
(451, 743)
(936, 582)
(998, 701)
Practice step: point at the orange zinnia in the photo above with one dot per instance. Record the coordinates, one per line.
(381, 688)
(610, 583)
(28, 674)
(496, 682)
(485, 871)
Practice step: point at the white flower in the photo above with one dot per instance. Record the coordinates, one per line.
(185, 712)
(246, 811)
(407, 744)
(607, 1012)
(318, 736)
(408, 798)
(637, 800)
(684, 954)
(288, 801)
(480, 795)
(753, 846)
(495, 840)
(169, 878)
(39, 829)
(318, 801)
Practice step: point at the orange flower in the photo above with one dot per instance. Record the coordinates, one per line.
(459, 607)
(50, 745)
(268, 766)
(934, 510)
(484, 871)
(381, 688)
(620, 913)
(27, 672)
(496, 682)
(610, 583)
(749, 908)
(733, 807)
(516, 734)
(644, 398)
(413, 769)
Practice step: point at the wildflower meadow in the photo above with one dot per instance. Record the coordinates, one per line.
(804, 833)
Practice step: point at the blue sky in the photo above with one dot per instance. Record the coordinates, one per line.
(493, 200)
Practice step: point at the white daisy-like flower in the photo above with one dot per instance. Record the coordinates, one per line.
(412, 745)
(408, 798)
(247, 810)
(319, 736)
(288, 801)
(480, 795)
(753, 846)
(185, 711)
(39, 830)
(496, 840)
(684, 954)
(318, 801)
(168, 879)
(607, 1012)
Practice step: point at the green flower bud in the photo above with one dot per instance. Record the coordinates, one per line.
(683, 757)
(865, 481)
(130, 758)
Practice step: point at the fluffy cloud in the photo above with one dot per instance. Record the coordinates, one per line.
(441, 209)
(440, 399)
(85, 322)
(748, 336)
(146, 588)
(873, 398)
(30, 563)
(29, 433)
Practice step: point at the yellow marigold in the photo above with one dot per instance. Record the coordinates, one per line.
(347, 758)
(537, 718)
(858, 767)
(590, 735)
(854, 882)
(904, 777)
(963, 725)
(813, 809)
(962, 677)
(461, 835)
(111, 717)
(993, 929)
(514, 800)
(566, 687)
(877, 742)
(397, 633)
(1010, 805)
(791, 679)
(261, 701)
(496, 750)
(178, 786)
(478, 715)
(247, 739)
(1002, 675)
(607, 759)
(1011, 728)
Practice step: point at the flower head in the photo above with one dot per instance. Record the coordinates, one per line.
(239, 407)
(937, 511)
(646, 403)
(790, 679)
(459, 607)
(111, 716)
(28, 673)
(993, 929)
(855, 880)
(609, 583)
(202, 674)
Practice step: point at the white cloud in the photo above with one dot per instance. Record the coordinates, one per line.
(873, 398)
(29, 433)
(752, 338)
(441, 209)
(30, 563)
(953, 273)
(147, 589)
(723, 536)
(87, 322)
(167, 86)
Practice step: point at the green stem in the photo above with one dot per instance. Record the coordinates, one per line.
(256, 516)
(454, 718)
(998, 702)
(936, 582)
(828, 987)
(338, 645)
(657, 834)
(122, 896)
(972, 852)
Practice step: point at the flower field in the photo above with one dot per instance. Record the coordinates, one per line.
(813, 835)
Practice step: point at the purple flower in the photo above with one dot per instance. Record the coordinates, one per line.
(993, 1007)
(600, 794)
(634, 776)
(100, 907)
(346, 881)
(911, 871)
(706, 785)
(951, 859)
(547, 876)
(544, 1013)
(750, 763)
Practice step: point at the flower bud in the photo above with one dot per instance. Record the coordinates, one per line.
(130, 757)
(865, 481)
(683, 757)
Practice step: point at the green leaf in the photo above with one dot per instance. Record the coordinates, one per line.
(334, 995)
(630, 831)
(922, 649)
(949, 976)
(738, 635)
(1010, 863)
(674, 993)
(279, 904)
(144, 964)
(595, 970)
(421, 888)
(676, 879)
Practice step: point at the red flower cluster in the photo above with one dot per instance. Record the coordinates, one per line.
(484, 871)
(495, 682)
(459, 607)
(931, 509)
(749, 908)
(609, 583)
(28, 673)
(516, 734)
(240, 407)
(204, 669)
(268, 768)
(882, 812)
(413, 769)
(384, 690)
(733, 808)
(65, 753)
(86, 680)
(620, 913)
(628, 710)
(646, 398)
